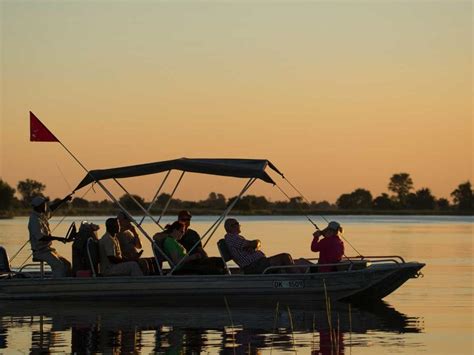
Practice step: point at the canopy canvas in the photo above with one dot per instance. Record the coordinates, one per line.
(240, 168)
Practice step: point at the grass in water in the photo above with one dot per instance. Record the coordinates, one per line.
(274, 326)
(231, 324)
(291, 326)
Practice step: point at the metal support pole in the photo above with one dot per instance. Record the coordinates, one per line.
(152, 203)
(171, 197)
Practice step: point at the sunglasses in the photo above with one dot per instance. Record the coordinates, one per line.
(185, 219)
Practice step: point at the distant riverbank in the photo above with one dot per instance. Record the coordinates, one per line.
(262, 212)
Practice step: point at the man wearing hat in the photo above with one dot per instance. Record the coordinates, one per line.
(190, 237)
(213, 265)
(331, 248)
(41, 239)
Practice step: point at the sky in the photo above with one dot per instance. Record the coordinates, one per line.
(338, 95)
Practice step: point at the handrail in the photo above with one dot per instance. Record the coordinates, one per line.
(363, 257)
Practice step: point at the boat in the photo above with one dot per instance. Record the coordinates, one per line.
(357, 279)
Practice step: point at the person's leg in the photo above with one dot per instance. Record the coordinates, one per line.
(129, 268)
(282, 260)
(67, 265)
(58, 267)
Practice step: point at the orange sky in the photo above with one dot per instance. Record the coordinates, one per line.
(338, 95)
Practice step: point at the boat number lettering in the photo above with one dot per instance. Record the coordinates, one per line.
(288, 284)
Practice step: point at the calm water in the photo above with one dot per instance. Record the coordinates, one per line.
(433, 314)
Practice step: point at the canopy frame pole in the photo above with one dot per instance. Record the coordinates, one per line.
(216, 224)
(227, 211)
(152, 203)
(124, 210)
(138, 203)
(171, 197)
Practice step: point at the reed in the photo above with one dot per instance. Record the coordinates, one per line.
(350, 329)
(274, 326)
(231, 323)
(292, 329)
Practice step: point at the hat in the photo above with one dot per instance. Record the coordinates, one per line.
(37, 201)
(333, 225)
(184, 213)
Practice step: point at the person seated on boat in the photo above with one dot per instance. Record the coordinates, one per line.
(330, 248)
(112, 263)
(41, 238)
(81, 250)
(192, 239)
(130, 244)
(247, 253)
(192, 264)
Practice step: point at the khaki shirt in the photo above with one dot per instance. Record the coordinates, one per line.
(38, 226)
(127, 244)
(108, 246)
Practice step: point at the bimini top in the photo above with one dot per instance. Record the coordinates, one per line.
(241, 168)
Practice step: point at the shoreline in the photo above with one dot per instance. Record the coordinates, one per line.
(207, 212)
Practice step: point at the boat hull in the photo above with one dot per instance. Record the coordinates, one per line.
(311, 287)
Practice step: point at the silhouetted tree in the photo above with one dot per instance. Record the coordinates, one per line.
(358, 199)
(442, 204)
(28, 189)
(321, 205)
(383, 202)
(6, 196)
(401, 184)
(214, 200)
(250, 202)
(463, 197)
(421, 200)
(127, 202)
(78, 202)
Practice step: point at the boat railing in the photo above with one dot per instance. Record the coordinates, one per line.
(352, 263)
(371, 257)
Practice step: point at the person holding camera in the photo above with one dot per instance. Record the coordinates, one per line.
(330, 248)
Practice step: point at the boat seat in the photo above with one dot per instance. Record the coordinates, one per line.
(4, 262)
(225, 253)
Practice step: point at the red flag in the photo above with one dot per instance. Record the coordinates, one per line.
(39, 132)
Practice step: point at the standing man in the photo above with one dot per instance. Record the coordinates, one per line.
(112, 263)
(41, 239)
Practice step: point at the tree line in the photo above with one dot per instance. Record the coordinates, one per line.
(401, 196)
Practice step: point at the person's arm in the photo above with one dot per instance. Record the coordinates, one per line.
(55, 205)
(253, 244)
(47, 238)
(136, 238)
(316, 244)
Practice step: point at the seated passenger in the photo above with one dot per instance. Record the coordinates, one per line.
(191, 238)
(192, 264)
(80, 257)
(331, 248)
(247, 253)
(111, 261)
(130, 244)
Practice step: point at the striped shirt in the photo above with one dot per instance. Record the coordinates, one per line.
(240, 254)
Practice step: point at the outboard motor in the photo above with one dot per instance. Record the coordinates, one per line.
(85, 250)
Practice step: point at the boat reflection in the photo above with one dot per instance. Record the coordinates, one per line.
(126, 328)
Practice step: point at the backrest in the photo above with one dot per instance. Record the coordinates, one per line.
(223, 250)
(4, 262)
(225, 253)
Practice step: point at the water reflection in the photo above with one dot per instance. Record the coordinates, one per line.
(44, 327)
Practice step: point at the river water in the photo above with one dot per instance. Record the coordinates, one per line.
(431, 314)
